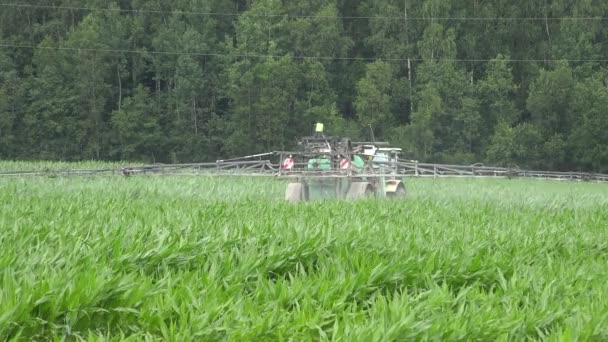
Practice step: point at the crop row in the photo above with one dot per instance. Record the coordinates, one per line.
(194, 258)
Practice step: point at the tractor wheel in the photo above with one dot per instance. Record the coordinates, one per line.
(399, 193)
(296, 192)
(359, 190)
(369, 192)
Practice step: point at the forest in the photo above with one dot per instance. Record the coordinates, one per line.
(504, 82)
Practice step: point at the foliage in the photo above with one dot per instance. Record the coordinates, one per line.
(226, 78)
(193, 258)
(373, 103)
(137, 126)
(514, 146)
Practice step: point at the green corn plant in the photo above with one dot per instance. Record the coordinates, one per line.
(202, 258)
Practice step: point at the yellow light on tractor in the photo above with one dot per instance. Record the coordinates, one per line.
(319, 128)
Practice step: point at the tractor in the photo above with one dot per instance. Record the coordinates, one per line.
(326, 167)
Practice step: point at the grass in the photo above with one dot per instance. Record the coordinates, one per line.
(198, 258)
(55, 166)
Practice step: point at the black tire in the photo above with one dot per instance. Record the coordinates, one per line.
(295, 192)
(369, 193)
(399, 193)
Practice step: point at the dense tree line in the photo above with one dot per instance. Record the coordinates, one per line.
(511, 82)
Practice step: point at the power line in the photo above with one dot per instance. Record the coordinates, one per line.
(294, 16)
(261, 56)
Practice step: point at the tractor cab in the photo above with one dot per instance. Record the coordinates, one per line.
(378, 156)
(387, 159)
(387, 155)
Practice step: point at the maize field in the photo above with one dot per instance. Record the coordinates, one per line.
(195, 258)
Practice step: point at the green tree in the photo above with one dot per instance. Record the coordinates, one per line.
(438, 43)
(551, 96)
(515, 146)
(262, 29)
(590, 135)
(420, 131)
(11, 106)
(137, 128)
(289, 64)
(550, 105)
(468, 123)
(263, 96)
(52, 126)
(373, 103)
(578, 39)
(188, 84)
(94, 75)
(318, 36)
(315, 101)
(187, 124)
(496, 92)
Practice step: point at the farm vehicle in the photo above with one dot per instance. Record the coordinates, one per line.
(326, 167)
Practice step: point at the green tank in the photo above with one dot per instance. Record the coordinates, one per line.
(321, 188)
(320, 164)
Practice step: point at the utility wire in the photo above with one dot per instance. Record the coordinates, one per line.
(261, 56)
(295, 16)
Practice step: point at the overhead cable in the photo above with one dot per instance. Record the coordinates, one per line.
(264, 56)
(294, 16)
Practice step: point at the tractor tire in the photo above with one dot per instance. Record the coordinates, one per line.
(359, 190)
(369, 192)
(399, 193)
(296, 192)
